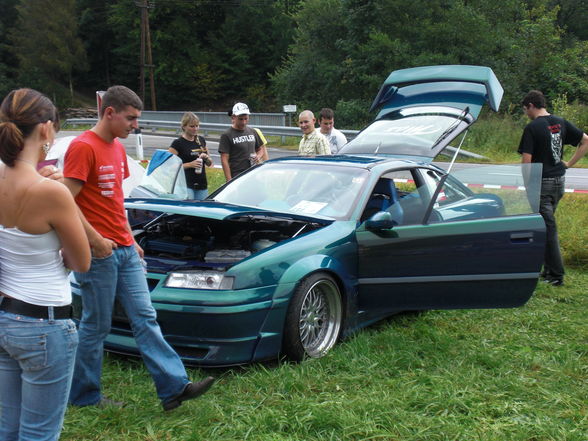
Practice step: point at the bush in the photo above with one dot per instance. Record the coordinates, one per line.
(353, 114)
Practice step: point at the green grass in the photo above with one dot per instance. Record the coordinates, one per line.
(486, 375)
(517, 374)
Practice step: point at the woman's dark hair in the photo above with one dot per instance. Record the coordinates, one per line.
(20, 112)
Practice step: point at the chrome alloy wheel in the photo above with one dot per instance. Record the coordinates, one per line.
(320, 318)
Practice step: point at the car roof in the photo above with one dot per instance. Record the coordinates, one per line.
(367, 161)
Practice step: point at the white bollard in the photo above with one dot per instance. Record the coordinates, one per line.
(139, 136)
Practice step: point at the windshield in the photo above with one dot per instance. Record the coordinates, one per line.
(164, 179)
(301, 188)
(411, 132)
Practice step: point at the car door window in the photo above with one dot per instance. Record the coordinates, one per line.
(403, 193)
(481, 192)
(477, 192)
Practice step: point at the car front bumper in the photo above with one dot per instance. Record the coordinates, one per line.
(209, 328)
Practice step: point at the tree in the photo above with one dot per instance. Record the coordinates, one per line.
(7, 57)
(344, 49)
(247, 48)
(312, 72)
(47, 45)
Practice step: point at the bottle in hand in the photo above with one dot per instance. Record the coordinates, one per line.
(198, 168)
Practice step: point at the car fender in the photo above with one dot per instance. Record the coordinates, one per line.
(312, 264)
(318, 262)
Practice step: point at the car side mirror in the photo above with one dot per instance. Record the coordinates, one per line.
(382, 220)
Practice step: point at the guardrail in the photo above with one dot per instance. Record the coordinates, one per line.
(255, 119)
(205, 128)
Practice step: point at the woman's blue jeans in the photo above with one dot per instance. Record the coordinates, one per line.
(552, 190)
(197, 195)
(121, 275)
(36, 366)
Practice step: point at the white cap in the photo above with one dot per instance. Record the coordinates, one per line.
(240, 109)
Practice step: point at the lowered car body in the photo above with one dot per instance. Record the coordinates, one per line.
(298, 252)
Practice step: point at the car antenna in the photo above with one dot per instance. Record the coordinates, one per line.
(457, 151)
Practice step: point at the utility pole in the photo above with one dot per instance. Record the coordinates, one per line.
(144, 6)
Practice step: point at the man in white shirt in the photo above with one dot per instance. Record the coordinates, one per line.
(327, 129)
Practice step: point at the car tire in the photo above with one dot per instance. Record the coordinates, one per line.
(314, 318)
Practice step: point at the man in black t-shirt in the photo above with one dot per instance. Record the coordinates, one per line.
(240, 147)
(542, 141)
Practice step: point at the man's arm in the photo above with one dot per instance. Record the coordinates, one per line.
(101, 247)
(579, 153)
(225, 165)
(262, 154)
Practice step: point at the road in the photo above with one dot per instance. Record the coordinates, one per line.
(576, 178)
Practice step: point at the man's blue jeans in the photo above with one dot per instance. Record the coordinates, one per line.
(36, 366)
(121, 275)
(552, 190)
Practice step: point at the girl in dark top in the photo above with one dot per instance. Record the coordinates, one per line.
(191, 148)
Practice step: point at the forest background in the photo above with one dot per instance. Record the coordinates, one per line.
(208, 54)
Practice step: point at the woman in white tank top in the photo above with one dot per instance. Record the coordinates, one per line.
(41, 236)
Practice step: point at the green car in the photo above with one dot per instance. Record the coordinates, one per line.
(297, 253)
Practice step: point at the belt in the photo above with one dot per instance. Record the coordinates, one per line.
(15, 306)
(554, 178)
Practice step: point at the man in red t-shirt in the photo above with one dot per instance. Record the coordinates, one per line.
(95, 166)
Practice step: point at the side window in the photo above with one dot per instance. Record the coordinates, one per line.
(414, 195)
(457, 202)
(470, 193)
(403, 193)
(450, 193)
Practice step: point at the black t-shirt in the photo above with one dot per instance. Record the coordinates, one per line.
(544, 138)
(188, 151)
(239, 144)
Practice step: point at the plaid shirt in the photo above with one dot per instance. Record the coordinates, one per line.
(314, 144)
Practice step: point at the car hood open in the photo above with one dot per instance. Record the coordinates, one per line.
(213, 210)
(424, 108)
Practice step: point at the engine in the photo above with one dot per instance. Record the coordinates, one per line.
(200, 242)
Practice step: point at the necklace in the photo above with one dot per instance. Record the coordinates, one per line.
(26, 161)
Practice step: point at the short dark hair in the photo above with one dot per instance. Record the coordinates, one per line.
(326, 113)
(536, 98)
(119, 97)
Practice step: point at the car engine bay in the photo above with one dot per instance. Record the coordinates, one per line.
(172, 240)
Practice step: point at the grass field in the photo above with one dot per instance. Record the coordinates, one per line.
(513, 375)
(468, 375)
(501, 375)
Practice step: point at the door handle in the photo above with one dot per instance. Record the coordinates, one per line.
(526, 237)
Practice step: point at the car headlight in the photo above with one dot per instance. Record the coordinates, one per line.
(199, 280)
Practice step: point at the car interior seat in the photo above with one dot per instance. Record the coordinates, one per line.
(384, 197)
